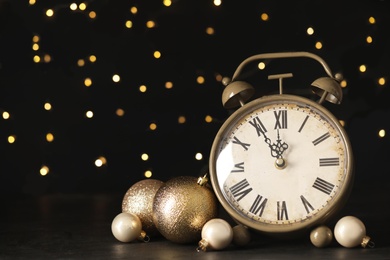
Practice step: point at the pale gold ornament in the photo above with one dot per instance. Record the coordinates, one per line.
(126, 227)
(139, 201)
(321, 236)
(182, 206)
(217, 234)
(241, 235)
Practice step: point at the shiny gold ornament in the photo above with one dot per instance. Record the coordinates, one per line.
(182, 206)
(139, 201)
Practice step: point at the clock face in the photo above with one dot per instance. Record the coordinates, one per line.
(280, 164)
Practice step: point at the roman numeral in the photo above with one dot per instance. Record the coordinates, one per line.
(282, 210)
(323, 186)
(245, 145)
(258, 205)
(281, 119)
(303, 124)
(329, 161)
(239, 167)
(307, 205)
(258, 125)
(321, 138)
(240, 189)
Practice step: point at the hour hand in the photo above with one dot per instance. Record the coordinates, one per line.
(278, 148)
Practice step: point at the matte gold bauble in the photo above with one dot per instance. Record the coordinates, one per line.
(139, 201)
(321, 236)
(182, 206)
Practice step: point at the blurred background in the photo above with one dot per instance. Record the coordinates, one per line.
(96, 95)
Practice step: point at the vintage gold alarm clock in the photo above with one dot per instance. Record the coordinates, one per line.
(281, 164)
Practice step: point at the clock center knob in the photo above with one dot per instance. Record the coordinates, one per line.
(280, 163)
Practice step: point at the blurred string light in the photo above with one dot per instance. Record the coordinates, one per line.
(47, 106)
(343, 83)
(11, 139)
(142, 88)
(217, 2)
(198, 156)
(49, 137)
(92, 58)
(5, 115)
(382, 133)
(208, 119)
(264, 17)
(144, 157)
(92, 14)
(261, 65)
(200, 80)
(150, 24)
(44, 170)
(101, 161)
(88, 82)
(49, 12)
(153, 126)
(116, 78)
(134, 10)
(120, 112)
(181, 119)
(129, 24)
(168, 85)
(382, 81)
(35, 46)
(218, 77)
(89, 114)
(210, 31)
(157, 54)
(80, 62)
(73, 6)
(318, 45)
(148, 174)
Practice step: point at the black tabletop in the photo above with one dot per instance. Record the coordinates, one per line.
(78, 226)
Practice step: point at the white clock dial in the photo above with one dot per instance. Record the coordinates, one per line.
(281, 163)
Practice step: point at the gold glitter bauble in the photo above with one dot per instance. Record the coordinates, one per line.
(181, 207)
(139, 201)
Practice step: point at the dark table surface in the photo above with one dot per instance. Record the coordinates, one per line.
(78, 226)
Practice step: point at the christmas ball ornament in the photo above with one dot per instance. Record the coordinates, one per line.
(321, 236)
(139, 201)
(216, 234)
(126, 227)
(351, 232)
(182, 206)
(241, 235)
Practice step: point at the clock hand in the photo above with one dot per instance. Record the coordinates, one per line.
(268, 141)
(278, 148)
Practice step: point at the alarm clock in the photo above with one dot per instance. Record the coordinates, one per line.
(281, 164)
